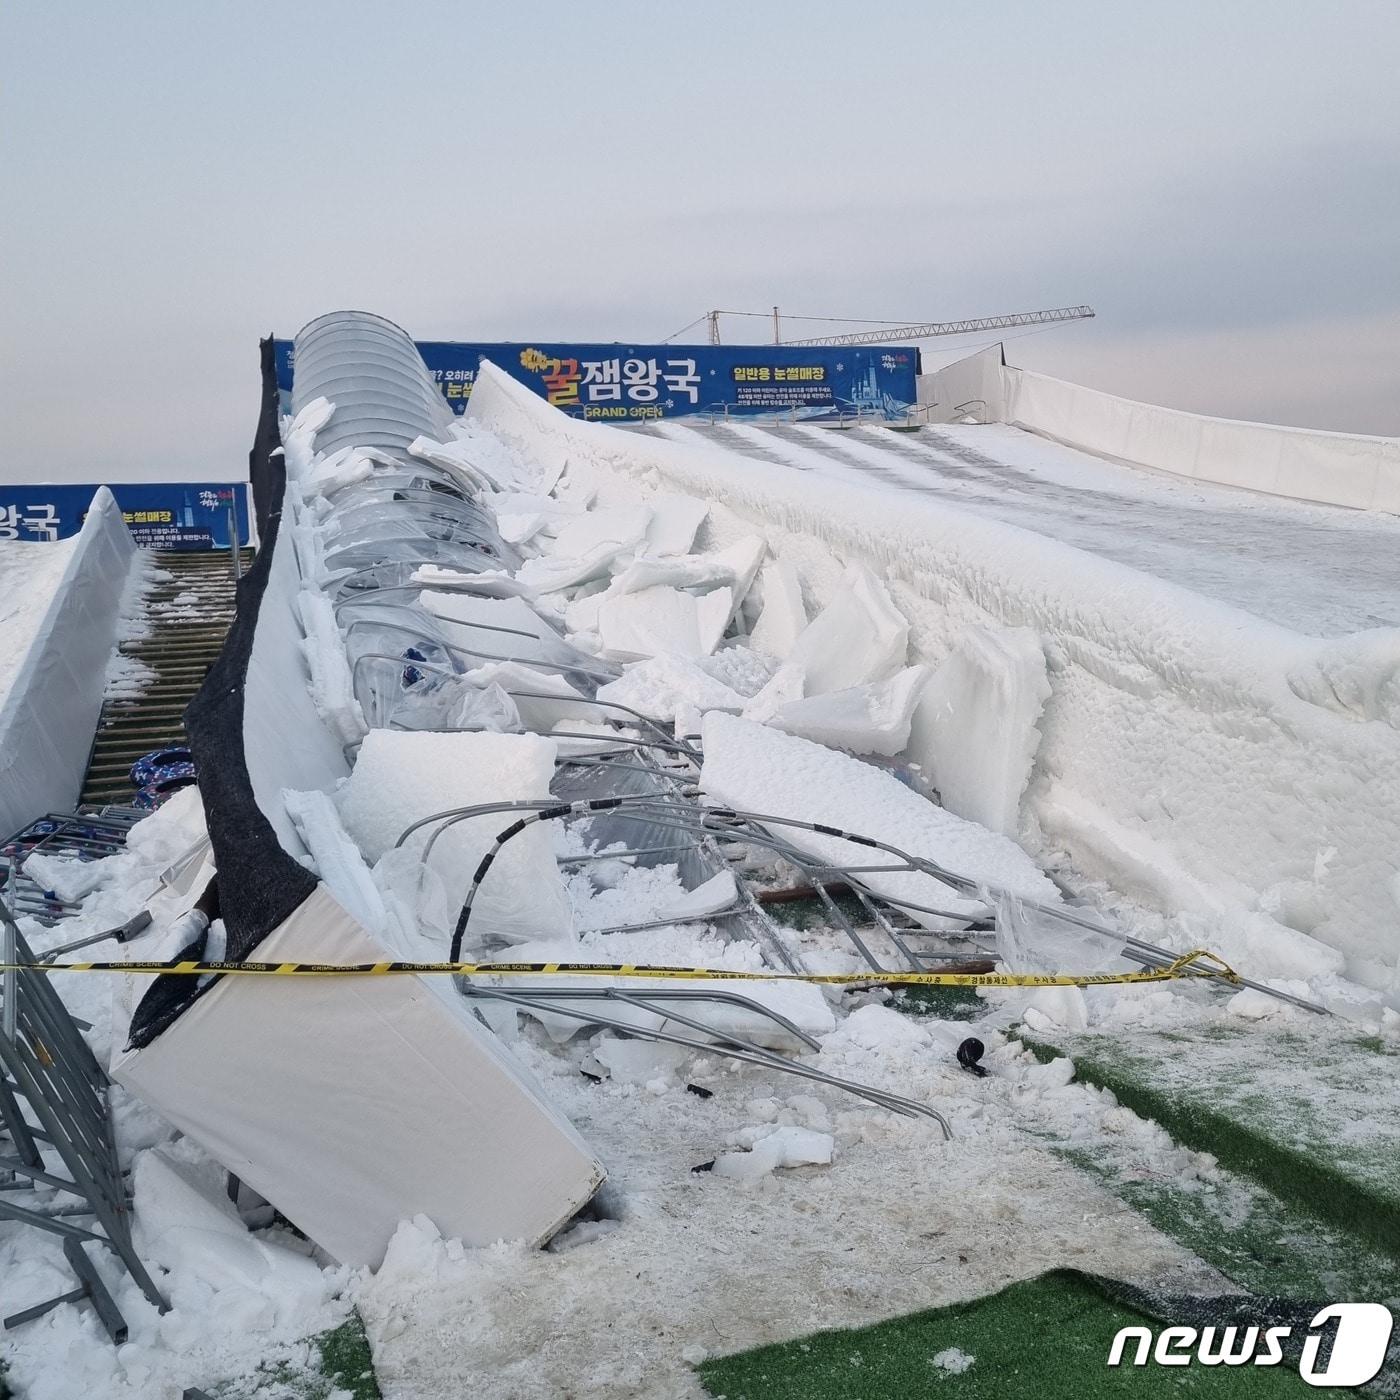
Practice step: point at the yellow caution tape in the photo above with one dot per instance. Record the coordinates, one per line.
(1184, 966)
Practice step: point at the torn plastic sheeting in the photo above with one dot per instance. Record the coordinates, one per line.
(661, 843)
(376, 1101)
(531, 691)
(503, 628)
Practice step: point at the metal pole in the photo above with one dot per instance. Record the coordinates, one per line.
(777, 328)
(233, 538)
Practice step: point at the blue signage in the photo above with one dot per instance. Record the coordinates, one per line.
(160, 515)
(638, 383)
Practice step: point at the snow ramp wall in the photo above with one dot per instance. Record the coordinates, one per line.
(50, 714)
(1193, 756)
(1304, 464)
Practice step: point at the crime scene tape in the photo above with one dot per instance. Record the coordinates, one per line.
(1185, 966)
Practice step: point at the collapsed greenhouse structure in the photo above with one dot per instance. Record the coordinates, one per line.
(602, 757)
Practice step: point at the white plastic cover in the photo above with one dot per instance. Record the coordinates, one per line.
(351, 1105)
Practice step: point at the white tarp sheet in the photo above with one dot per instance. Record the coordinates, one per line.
(353, 1104)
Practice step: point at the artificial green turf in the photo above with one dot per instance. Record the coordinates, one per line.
(346, 1359)
(1314, 1116)
(1045, 1339)
(346, 1366)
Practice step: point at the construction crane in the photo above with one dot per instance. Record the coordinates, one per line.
(889, 332)
(929, 329)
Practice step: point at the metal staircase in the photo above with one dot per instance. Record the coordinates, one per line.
(188, 613)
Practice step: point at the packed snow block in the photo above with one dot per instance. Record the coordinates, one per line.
(674, 521)
(974, 732)
(401, 777)
(758, 769)
(585, 548)
(638, 625)
(49, 714)
(665, 685)
(354, 1103)
(860, 636)
(1358, 675)
(784, 616)
(864, 719)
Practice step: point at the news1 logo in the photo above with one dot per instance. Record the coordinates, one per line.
(1358, 1345)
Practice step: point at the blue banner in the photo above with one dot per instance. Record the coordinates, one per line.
(160, 515)
(638, 383)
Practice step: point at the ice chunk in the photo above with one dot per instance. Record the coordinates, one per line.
(66, 877)
(698, 571)
(661, 686)
(786, 1146)
(640, 1061)
(974, 731)
(753, 767)
(402, 777)
(332, 689)
(200, 1239)
(622, 527)
(337, 861)
(717, 893)
(460, 458)
(859, 636)
(865, 719)
(783, 617)
(674, 521)
(663, 620)
(517, 529)
(488, 583)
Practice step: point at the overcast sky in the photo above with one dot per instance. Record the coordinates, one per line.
(1221, 181)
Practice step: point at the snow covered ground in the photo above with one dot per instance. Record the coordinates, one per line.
(1316, 569)
(30, 572)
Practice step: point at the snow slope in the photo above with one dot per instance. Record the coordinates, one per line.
(30, 572)
(1317, 569)
(1192, 755)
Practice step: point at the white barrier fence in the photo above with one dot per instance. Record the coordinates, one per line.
(1343, 469)
(48, 719)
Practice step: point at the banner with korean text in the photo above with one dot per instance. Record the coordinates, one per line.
(639, 383)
